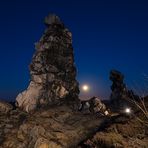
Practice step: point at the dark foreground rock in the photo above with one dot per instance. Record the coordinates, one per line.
(57, 127)
(61, 127)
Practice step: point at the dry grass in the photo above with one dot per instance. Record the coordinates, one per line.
(141, 105)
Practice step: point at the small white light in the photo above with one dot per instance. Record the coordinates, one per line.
(106, 113)
(85, 87)
(128, 110)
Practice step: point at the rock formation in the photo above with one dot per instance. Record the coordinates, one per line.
(122, 132)
(93, 105)
(118, 86)
(119, 90)
(121, 95)
(5, 107)
(53, 72)
(55, 127)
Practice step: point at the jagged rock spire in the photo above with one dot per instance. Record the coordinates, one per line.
(53, 72)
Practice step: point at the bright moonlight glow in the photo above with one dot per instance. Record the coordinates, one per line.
(128, 110)
(85, 87)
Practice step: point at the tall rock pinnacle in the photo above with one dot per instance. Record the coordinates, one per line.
(53, 73)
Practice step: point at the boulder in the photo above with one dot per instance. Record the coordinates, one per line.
(93, 105)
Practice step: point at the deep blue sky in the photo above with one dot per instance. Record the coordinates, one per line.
(106, 35)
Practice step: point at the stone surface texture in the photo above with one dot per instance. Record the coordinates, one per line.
(53, 71)
(55, 127)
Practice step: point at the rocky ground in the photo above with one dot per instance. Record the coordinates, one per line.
(60, 126)
(46, 128)
(121, 132)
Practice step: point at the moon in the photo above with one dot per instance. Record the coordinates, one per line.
(85, 88)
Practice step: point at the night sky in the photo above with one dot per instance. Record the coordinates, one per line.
(106, 35)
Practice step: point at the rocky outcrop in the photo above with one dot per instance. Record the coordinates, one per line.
(93, 105)
(61, 127)
(5, 107)
(118, 87)
(55, 127)
(119, 91)
(53, 72)
(121, 96)
(9, 121)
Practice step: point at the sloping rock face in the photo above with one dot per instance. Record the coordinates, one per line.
(55, 127)
(61, 127)
(53, 73)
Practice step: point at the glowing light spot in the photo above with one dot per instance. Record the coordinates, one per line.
(85, 88)
(128, 110)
